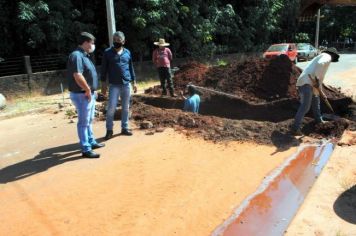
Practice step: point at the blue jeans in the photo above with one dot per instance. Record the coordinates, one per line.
(307, 100)
(115, 91)
(86, 112)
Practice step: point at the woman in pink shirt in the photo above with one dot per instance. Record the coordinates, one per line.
(162, 58)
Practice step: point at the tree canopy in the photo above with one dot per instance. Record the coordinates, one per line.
(194, 28)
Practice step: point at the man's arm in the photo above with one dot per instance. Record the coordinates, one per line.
(133, 76)
(186, 105)
(80, 80)
(182, 94)
(170, 56)
(104, 70)
(78, 68)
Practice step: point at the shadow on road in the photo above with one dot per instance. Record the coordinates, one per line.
(46, 159)
(283, 141)
(345, 205)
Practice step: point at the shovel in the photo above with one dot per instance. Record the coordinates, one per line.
(214, 91)
(321, 93)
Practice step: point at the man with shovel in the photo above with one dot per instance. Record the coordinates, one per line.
(309, 85)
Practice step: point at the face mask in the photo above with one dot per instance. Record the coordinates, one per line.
(92, 48)
(117, 45)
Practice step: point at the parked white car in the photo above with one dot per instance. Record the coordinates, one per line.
(306, 51)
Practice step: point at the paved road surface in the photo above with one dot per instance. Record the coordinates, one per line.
(342, 74)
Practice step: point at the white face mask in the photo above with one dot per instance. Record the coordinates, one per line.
(92, 48)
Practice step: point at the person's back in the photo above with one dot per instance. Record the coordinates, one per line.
(192, 103)
(316, 68)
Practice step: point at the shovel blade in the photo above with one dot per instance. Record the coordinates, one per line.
(330, 116)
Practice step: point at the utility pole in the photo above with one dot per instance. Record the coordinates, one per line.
(317, 29)
(111, 19)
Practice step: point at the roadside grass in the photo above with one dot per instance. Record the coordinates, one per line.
(142, 85)
(37, 102)
(33, 103)
(221, 62)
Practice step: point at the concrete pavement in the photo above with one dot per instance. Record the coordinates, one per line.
(341, 75)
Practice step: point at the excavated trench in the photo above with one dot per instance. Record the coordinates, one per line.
(238, 109)
(262, 101)
(261, 108)
(287, 186)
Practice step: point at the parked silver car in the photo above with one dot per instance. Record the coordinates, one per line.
(306, 51)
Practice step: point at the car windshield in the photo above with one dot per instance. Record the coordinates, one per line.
(303, 46)
(277, 48)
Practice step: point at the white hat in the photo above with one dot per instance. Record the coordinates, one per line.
(161, 42)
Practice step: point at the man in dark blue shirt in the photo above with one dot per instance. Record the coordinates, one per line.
(82, 83)
(117, 65)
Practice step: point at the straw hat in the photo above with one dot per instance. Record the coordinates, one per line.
(161, 42)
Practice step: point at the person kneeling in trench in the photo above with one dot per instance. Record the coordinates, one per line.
(191, 104)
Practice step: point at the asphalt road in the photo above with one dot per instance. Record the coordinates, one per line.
(342, 74)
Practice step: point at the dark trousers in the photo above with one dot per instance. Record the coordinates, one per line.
(164, 74)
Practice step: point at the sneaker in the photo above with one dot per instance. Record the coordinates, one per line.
(320, 121)
(109, 134)
(126, 132)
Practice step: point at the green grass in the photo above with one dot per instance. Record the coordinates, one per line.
(221, 62)
(35, 102)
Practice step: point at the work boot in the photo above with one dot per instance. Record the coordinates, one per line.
(171, 92)
(296, 132)
(126, 132)
(164, 93)
(108, 135)
(90, 154)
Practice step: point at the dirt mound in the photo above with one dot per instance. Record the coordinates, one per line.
(209, 127)
(261, 88)
(332, 128)
(192, 72)
(254, 80)
(218, 129)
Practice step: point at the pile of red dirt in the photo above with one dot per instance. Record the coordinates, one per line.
(257, 81)
(208, 127)
(332, 129)
(191, 72)
(254, 80)
(219, 129)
